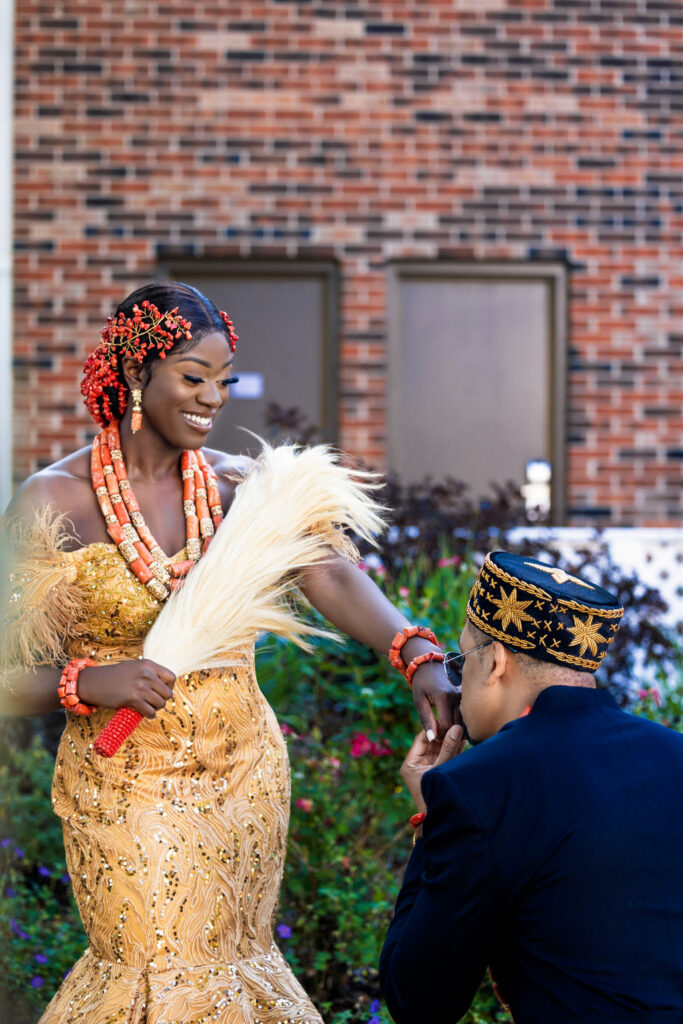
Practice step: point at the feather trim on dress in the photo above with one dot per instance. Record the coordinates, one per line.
(40, 597)
(292, 510)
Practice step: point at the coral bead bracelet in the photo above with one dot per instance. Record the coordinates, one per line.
(396, 658)
(68, 687)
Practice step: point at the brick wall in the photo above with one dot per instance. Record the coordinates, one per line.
(365, 132)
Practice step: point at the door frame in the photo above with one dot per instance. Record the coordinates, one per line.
(555, 276)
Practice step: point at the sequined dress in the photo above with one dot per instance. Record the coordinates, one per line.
(176, 845)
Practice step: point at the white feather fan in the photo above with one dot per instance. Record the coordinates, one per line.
(288, 513)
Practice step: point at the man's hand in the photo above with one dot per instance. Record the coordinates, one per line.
(424, 755)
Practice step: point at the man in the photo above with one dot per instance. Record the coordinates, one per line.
(553, 852)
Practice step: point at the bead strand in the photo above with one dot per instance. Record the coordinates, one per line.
(422, 659)
(141, 566)
(405, 634)
(139, 535)
(67, 690)
(212, 492)
(126, 525)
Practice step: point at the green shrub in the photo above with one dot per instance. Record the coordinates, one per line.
(40, 930)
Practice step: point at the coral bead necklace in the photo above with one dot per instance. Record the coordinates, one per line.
(126, 526)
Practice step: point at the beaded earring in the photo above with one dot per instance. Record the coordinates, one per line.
(136, 421)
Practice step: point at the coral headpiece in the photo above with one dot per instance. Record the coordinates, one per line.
(136, 336)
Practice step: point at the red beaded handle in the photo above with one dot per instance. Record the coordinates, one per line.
(116, 731)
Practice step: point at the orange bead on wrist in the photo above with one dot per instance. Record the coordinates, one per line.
(405, 634)
(422, 660)
(67, 689)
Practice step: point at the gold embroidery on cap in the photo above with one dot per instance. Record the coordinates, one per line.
(510, 608)
(587, 634)
(559, 575)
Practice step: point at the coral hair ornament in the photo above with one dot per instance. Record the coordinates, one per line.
(146, 331)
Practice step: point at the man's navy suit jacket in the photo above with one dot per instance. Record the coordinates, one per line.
(552, 853)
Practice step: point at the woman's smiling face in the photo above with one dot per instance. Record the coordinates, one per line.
(185, 391)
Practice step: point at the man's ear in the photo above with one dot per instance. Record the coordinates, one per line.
(499, 666)
(136, 375)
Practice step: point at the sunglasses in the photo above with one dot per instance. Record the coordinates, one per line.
(454, 660)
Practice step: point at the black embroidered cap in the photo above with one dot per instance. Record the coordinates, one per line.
(540, 610)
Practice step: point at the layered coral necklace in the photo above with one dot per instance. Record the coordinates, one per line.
(126, 526)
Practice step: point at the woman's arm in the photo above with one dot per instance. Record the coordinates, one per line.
(141, 684)
(30, 692)
(349, 599)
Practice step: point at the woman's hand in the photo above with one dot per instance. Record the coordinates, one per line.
(424, 755)
(141, 685)
(431, 689)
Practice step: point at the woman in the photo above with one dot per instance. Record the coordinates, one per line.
(176, 845)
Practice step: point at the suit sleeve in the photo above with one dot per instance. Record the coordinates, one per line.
(446, 917)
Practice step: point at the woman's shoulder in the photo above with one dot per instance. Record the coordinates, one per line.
(62, 485)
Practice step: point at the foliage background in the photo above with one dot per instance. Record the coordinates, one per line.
(348, 719)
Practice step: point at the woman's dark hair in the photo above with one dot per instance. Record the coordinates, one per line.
(104, 386)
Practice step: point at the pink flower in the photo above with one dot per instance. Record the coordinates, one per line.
(286, 730)
(642, 694)
(378, 751)
(334, 763)
(404, 592)
(362, 745)
(444, 562)
(656, 696)
(304, 804)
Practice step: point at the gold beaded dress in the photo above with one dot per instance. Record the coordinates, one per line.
(176, 845)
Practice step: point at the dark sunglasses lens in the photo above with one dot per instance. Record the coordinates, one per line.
(453, 667)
